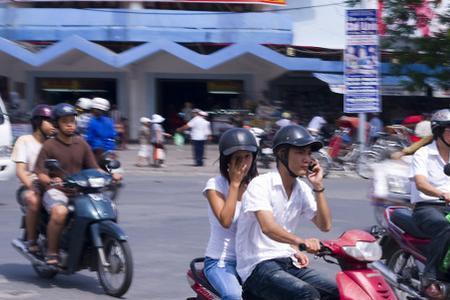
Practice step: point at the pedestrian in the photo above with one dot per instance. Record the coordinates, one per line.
(143, 158)
(376, 127)
(237, 164)
(316, 124)
(200, 133)
(157, 135)
(285, 120)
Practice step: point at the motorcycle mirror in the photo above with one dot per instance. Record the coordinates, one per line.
(52, 164)
(447, 169)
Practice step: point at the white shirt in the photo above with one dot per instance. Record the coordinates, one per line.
(26, 150)
(283, 122)
(200, 128)
(427, 162)
(316, 124)
(221, 244)
(266, 192)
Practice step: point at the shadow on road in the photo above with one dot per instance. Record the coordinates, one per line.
(25, 273)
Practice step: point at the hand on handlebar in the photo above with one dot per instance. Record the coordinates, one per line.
(117, 177)
(310, 245)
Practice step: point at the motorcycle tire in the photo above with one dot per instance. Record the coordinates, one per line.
(118, 255)
(45, 272)
(363, 168)
(404, 266)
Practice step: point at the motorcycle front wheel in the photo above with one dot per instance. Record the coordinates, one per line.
(404, 266)
(115, 278)
(364, 164)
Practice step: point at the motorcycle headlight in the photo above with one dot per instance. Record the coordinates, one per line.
(97, 182)
(5, 151)
(364, 251)
(398, 185)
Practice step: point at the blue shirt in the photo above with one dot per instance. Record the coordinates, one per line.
(100, 133)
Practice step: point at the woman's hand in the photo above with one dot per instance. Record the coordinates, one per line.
(237, 170)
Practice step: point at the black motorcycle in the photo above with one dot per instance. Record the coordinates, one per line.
(91, 239)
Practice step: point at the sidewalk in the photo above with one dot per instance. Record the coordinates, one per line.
(178, 161)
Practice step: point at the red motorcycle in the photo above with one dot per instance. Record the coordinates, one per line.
(352, 251)
(404, 247)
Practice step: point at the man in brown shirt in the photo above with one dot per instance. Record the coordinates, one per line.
(74, 155)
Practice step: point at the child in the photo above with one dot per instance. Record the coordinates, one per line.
(144, 142)
(157, 140)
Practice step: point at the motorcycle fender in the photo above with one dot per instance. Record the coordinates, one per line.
(106, 227)
(365, 284)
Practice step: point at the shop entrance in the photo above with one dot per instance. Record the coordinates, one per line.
(203, 94)
(52, 90)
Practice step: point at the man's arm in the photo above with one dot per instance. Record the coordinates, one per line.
(425, 187)
(277, 233)
(22, 174)
(322, 219)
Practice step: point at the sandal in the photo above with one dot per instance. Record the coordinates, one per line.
(32, 247)
(52, 259)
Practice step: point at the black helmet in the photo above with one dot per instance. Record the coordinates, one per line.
(63, 110)
(236, 139)
(39, 113)
(295, 135)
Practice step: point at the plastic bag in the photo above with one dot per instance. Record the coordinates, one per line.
(178, 139)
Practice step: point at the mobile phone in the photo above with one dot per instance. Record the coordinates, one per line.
(311, 166)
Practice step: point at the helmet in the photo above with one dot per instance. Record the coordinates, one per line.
(286, 115)
(441, 118)
(63, 110)
(41, 111)
(144, 120)
(295, 135)
(100, 104)
(38, 113)
(84, 103)
(236, 139)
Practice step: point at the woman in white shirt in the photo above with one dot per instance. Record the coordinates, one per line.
(238, 150)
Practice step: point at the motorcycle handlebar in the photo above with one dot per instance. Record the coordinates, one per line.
(324, 250)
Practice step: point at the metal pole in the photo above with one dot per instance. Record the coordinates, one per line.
(362, 132)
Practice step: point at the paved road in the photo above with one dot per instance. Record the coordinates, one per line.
(165, 217)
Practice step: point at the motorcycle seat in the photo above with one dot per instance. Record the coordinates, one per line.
(402, 217)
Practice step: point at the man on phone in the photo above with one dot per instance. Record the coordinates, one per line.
(268, 260)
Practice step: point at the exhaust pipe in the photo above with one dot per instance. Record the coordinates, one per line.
(393, 280)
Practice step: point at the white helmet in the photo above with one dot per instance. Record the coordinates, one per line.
(100, 104)
(144, 120)
(84, 103)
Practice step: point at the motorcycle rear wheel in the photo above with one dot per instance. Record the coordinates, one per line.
(403, 265)
(115, 279)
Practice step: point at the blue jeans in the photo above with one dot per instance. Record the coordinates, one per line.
(279, 279)
(223, 279)
(199, 149)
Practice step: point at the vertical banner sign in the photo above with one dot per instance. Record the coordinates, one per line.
(361, 62)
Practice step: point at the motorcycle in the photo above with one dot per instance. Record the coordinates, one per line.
(352, 251)
(265, 154)
(91, 239)
(390, 186)
(405, 247)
